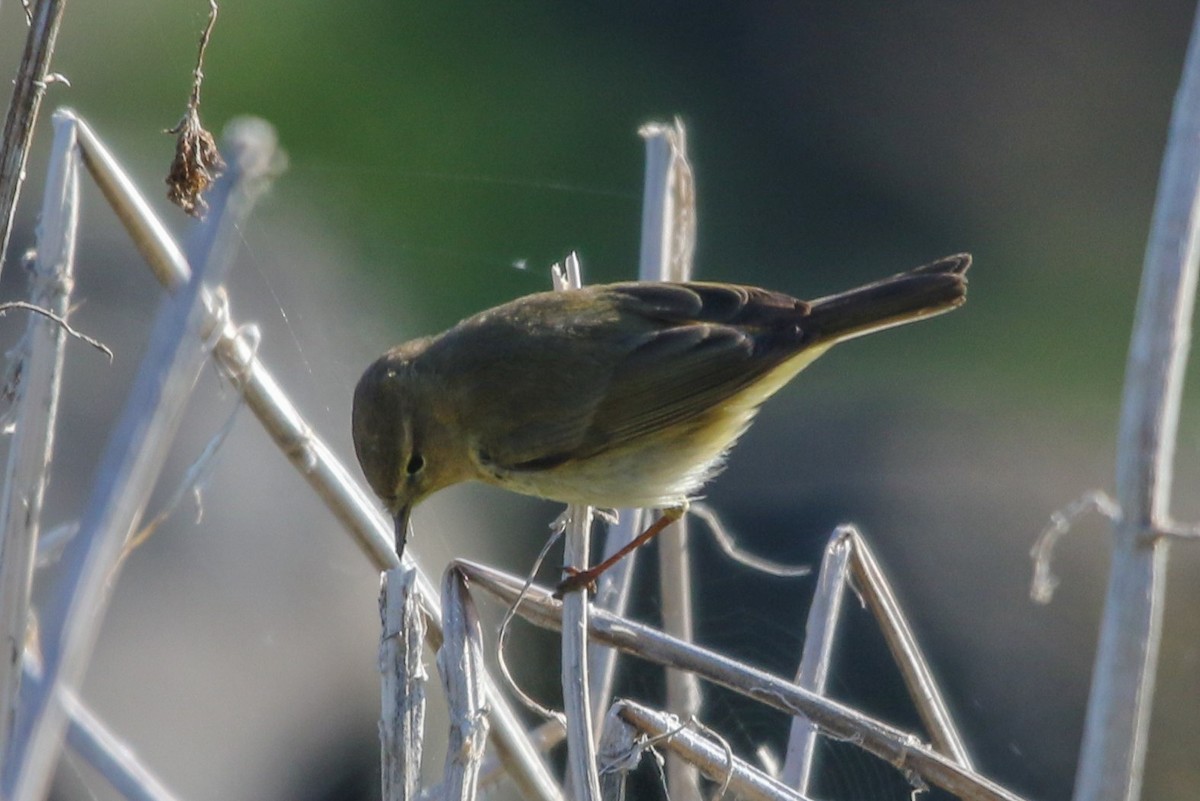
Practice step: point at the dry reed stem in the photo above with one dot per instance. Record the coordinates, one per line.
(39, 362)
(714, 760)
(90, 740)
(876, 592)
(619, 753)
(1118, 718)
(902, 750)
(667, 243)
(820, 634)
(670, 186)
(107, 754)
(33, 75)
(39, 359)
(581, 738)
(544, 737)
(612, 594)
(71, 618)
(460, 664)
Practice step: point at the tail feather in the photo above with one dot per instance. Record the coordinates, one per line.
(924, 292)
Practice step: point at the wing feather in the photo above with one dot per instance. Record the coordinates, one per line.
(698, 345)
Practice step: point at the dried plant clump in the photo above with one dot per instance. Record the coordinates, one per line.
(197, 164)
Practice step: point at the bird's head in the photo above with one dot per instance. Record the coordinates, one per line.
(402, 434)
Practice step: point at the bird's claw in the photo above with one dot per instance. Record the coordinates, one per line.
(576, 580)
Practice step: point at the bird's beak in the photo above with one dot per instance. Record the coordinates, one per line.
(401, 517)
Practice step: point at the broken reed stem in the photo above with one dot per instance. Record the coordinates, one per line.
(820, 634)
(1118, 718)
(349, 503)
(460, 664)
(39, 365)
(402, 713)
(620, 752)
(33, 74)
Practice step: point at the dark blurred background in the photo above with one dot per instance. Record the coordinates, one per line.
(436, 149)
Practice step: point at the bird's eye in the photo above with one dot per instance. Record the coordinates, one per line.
(416, 464)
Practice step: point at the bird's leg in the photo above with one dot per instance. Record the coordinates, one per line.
(578, 579)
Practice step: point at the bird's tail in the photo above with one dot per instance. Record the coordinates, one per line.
(924, 292)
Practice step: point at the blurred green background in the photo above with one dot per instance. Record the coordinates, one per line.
(443, 155)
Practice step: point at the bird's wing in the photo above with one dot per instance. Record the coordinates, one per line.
(646, 357)
(708, 343)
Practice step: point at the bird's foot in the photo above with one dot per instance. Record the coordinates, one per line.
(577, 580)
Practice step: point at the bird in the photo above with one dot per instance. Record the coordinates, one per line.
(611, 395)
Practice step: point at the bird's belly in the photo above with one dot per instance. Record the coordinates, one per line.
(659, 472)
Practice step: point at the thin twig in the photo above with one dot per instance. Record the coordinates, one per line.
(728, 767)
(198, 72)
(729, 546)
(193, 482)
(194, 479)
(33, 75)
(60, 320)
(1041, 589)
(506, 628)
